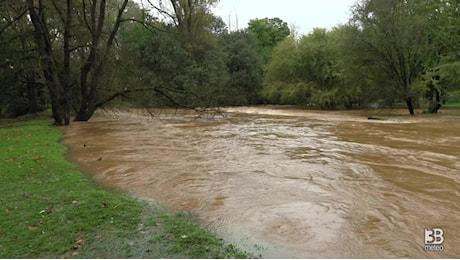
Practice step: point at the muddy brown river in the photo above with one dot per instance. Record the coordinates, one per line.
(289, 183)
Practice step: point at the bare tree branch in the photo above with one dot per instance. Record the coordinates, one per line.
(85, 17)
(13, 21)
(125, 92)
(61, 15)
(114, 31)
(146, 25)
(163, 12)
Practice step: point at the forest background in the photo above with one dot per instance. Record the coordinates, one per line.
(76, 56)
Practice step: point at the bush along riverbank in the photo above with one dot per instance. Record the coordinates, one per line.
(50, 210)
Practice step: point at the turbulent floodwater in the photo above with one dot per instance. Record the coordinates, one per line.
(287, 182)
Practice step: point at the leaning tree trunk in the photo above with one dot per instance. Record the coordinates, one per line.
(434, 108)
(84, 114)
(434, 99)
(410, 104)
(87, 109)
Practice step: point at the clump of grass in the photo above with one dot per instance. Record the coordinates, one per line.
(193, 241)
(50, 210)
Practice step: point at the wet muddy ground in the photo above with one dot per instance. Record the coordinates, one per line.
(289, 183)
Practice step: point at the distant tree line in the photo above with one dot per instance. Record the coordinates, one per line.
(75, 56)
(390, 51)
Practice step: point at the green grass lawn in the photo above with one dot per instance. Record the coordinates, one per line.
(452, 105)
(50, 210)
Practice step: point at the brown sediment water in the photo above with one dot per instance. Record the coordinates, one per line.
(289, 183)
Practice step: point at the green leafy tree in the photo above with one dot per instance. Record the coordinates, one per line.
(442, 66)
(351, 78)
(245, 67)
(319, 68)
(308, 72)
(282, 84)
(152, 61)
(268, 32)
(393, 43)
(178, 65)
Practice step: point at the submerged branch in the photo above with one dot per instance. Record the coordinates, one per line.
(125, 92)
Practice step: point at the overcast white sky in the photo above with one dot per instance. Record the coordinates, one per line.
(303, 14)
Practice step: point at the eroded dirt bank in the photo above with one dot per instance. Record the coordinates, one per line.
(296, 183)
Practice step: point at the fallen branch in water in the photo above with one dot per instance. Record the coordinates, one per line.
(209, 113)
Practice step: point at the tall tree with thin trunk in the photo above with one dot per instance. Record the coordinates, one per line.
(51, 73)
(393, 43)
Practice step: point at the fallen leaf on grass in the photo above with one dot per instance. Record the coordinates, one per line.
(98, 237)
(78, 243)
(74, 201)
(74, 253)
(13, 158)
(38, 158)
(32, 228)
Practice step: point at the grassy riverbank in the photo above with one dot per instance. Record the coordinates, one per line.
(50, 210)
(453, 105)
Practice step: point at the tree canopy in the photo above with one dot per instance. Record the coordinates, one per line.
(268, 32)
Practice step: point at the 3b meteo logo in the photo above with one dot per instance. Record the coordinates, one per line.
(434, 239)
